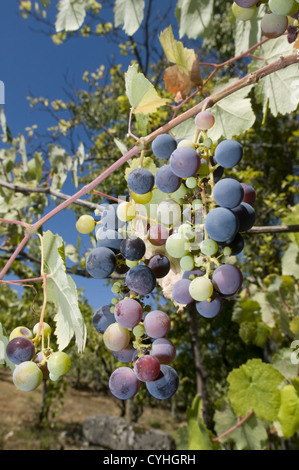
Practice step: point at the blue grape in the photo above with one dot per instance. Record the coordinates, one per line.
(245, 214)
(109, 238)
(132, 248)
(221, 224)
(228, 192)
(165, 385)
(237, 245)
(193, 273)
(100, 262)
(125, 355)
(227, 279)
(123, 383)
(159, 264)
(140, 181)
(163, 146)
(141, 279)
(180, 292)
(164, 350)
(166, 180)
(184, 162)
(20, 349)
(210, 309)
(102, 318)
(228, 153)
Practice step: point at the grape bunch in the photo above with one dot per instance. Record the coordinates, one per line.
(32, 360)
(180, 228)
(280, 17)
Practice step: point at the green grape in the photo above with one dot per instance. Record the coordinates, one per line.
(180, 193)
(85, 224)
(201, 288)
(27, 376)
(114, 301)
(126, 211)
(197, 204)
(131, 264)
(186, 231)
(116, 337)
(138, 331)
(208, 142)
(282, 7)
(45, 327)
(244, 14)
(115, 288)
(58, 363)
(186, 143)
(20, 331)
(187, 263)
(227, 251)
(209, 247)
(273, 26)
(169, 212)
(142, 198)
(191, 182)
(177, 246)
(204, 169)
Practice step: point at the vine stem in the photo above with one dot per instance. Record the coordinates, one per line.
(249, 79)
(233, 428)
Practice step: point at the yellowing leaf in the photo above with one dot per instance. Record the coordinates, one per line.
(176, 52)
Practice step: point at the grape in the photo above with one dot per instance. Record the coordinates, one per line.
(132, 248)
(246, 3)
(109, 218)
(128, 313)
(191, 274)
(166, 180)
(244, 14)
(249, 193)
(58, 363)
(237, 245)
(221, 224)
(191, 182)
(165, 385)
(209, 247)
(292, 34)
(227, 279)
(186, 231)
(187, 263)
(20, 331)
(138, 331)
(85, 224)
(121, 266)
(246, 216)
(140, 180)
(102, 318)
(164, 350)
(228, 193)
(210, 309)
(204, 169)
(147, 368)
(141, 280)
(281, 7)
(123, 383)
(180, 292)
(228, 153)
(45, 329)
(176, 245)
(204, 120)
(163, 146)
(39, 359)
(160, 265)
(20, 349)
(273, 26)
(169, 212)
(184, 162)
(217, 173)
(157, 234)
(186, 143)
(156, 324)
(125, 355)
(201, 288)
(100, 262)
(27, 376)
(142, 198)
(116, 337)
(108, 238)
(126, 211)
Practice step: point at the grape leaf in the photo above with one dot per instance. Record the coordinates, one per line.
(198, 434)
(129, 13)
(288, 415)
(289, 261)
(194, 17)
(254, 386)
(248, 33)
(176, 52)
(3, 343)
(71, 15)
(62, 291)
(141, 93)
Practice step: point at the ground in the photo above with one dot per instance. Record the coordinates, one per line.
(19, 413)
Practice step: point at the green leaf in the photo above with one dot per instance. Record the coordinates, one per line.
(289, 261)
(291, 219)
(129, 13)
(185, 130)
(198, 434)
(288, 415)
(71, 15)
(286, 362)
(62, 291)
(254, 386)
(233, 115)
(120, 146)
(248, 33)
(141, 93)
(176, 52)
(194, 17)
(3, 343)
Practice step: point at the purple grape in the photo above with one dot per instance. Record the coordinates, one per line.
(141, 279)
(20, 349)
(221, 224)
(165, 385)
(140, 181)
(228, 192)
(210, 309)
(237, 245)
(100, 262)
(109, 238)
(164, 350)
(156, 324)
(102, 318)
(246, 3)
(128, 313)
(193, 273)
(184, 162)
(163, 146)
(228, 153)
(227, 279)
(160, 265)
(125, 355)
(180, 292)
(245, 214)
(157, 234)
(166, 181)
(132, 248)
(123, 383)
(249, 193)
(147, 368)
